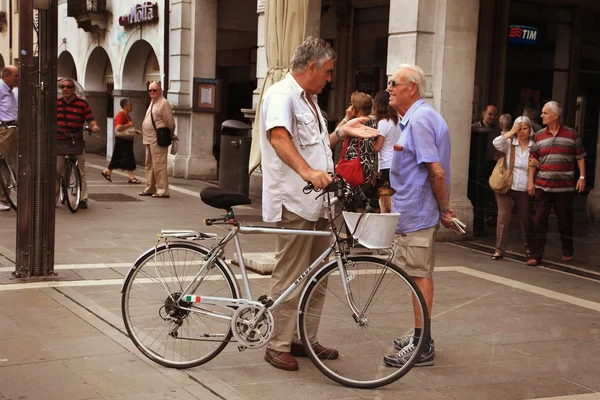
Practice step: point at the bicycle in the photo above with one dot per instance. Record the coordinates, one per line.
(181, 302)
(8, 179)
(70, 179)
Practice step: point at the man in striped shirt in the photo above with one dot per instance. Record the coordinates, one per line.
(72, 112)
(556, 149)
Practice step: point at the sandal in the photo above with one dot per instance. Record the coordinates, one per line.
(146, 194)
(161, 196)
(532, 262)
(497, 257)
(106, 176)
(134, 180)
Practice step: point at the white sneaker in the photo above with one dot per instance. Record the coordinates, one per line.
(4, 207)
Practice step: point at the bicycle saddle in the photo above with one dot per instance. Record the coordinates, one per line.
(219, 198)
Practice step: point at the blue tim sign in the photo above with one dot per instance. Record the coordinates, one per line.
(521, 34)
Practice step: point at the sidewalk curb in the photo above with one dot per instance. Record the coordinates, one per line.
(520, 257)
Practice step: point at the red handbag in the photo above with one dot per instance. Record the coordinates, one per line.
(350, 170)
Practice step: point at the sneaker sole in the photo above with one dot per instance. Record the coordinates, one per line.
(395, 364)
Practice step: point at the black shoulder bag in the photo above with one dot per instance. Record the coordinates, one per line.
(163, 135)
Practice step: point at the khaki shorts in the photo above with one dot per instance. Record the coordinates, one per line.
(415, 252)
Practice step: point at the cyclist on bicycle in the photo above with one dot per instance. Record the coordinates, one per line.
(9, 112)
(72, 112)
(296, 148)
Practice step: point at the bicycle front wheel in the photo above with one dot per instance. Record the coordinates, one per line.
(8, 181)
(72, 185)
(362, 324)
(152, 309)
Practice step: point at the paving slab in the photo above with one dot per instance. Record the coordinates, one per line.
(46, 380)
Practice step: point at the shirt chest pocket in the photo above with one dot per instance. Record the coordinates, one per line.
(308, 130)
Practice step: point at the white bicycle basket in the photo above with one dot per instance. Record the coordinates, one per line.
(375, 231)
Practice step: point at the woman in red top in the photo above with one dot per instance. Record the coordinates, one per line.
(123, 157)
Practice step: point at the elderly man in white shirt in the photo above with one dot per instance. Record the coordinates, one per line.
(516, 140)
(9, 112)
(296, 148)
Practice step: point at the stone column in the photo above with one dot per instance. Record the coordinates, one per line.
(440, 36)
(593, 200)
(193, 53)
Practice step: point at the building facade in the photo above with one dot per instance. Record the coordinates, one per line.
(467, 48)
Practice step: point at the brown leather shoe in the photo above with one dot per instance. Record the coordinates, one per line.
(281, 360)
(322, 352)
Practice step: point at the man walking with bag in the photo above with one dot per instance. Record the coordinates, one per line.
(158, 117)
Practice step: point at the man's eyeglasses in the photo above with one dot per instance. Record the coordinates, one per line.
(393, 83)
(153, 90)
(67, 86)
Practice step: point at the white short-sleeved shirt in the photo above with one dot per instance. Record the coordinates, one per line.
(285, 105)
(391, 134)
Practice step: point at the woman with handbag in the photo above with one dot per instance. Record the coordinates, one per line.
(358, 160)
(123, 157)
(515, 144)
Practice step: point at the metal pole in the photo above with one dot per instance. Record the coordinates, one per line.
(37, 124)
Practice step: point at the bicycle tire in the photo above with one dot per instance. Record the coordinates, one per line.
(361, 344)
(72, 185)
(8, 181)
(144, 299)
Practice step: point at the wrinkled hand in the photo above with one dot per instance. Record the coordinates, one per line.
(531, 189)
(398, 147)
(446, 219)
(533, 162)
(580, 187)
(355, 127)
(138, 132)
(349, 113)
(319, 179)
(95, 129)
(130, 123)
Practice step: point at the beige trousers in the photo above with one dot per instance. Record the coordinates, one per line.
(60, 169)
(156, 170)
(294, 253)
(9, 139)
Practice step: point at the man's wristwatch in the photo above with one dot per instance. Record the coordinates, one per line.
(445, 210)
(582, 177)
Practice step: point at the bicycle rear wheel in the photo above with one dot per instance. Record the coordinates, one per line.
(72, 185)
(8, 181)
(383, 294)
(151, 310)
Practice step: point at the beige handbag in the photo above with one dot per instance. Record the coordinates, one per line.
(501, 178)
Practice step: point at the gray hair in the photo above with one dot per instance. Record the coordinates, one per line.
(555, 107)
(312, 49)
(505, 121)
(67, 80)
(125, 101)
(527, 121)
(415, 75)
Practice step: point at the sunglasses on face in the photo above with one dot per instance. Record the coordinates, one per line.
(67, 86)
(393, 83)
(153, 90)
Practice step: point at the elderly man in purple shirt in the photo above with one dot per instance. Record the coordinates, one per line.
(420, 173)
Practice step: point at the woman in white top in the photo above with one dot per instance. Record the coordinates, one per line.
(517, 140)
(387, 125)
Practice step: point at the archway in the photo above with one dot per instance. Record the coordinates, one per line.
(141, 66)
(66, 66)
(98, 83)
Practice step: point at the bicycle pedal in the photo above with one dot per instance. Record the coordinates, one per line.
(241, 348)
(266, 300)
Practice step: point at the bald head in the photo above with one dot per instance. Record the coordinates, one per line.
(154, 90)
(10, 76)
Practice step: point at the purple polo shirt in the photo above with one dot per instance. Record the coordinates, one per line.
(425, 139)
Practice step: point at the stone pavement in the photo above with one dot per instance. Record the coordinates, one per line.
(502, 330)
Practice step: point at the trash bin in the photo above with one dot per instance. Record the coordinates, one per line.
(235, 156)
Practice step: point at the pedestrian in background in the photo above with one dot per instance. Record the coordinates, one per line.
(387, 125)
(296, 148)
(9, 115)
(552, 181)
(516, 140)
(158, 115)
(420, 174)
(505, 121)
(122, 156)
(72, 112)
